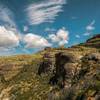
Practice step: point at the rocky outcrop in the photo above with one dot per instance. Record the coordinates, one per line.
(92, 57)
(46, 65)
(65, 66)
(82, 75)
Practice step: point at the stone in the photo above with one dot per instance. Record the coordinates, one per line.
(97, 97)
(92, 56)
(65, 67)
(45, 67)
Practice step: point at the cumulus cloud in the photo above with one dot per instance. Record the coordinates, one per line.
(61, 37)
(9, 35)
(44, 11)
(8, 39)
(7, 19)
(35, 41)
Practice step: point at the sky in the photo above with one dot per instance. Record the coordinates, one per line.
(27, 26)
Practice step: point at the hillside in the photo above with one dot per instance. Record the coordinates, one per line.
(93, 42)
(53, 74)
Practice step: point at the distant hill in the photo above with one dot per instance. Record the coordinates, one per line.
(94, 38)
(53, 74)
(93, 42)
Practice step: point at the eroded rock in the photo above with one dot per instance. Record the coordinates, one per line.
(92, 56)
(46, 65)
(65, 68)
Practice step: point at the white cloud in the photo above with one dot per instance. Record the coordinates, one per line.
(61, 37)
(35, 41)
(8, 39)
(25, 28)
(62, 42)
(87, 33)
(7, 19)
(6, 16)
(77, 36)
(9, 35)
(91, 27)
(49, 29)
(54, 38)
(44, 11)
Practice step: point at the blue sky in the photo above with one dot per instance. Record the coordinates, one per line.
(27, 26)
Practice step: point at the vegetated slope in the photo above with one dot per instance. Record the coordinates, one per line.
(27, 77)
(19, 80)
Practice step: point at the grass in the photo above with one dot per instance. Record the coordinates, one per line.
(22, 82)
(25, 83)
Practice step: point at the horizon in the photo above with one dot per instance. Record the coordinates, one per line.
(28, 26)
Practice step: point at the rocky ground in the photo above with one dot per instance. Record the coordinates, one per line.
(53, 74)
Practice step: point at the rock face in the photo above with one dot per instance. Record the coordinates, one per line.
(65, 68)
(46, 65)
(89, 75)
(92, 57)
(73, 74)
